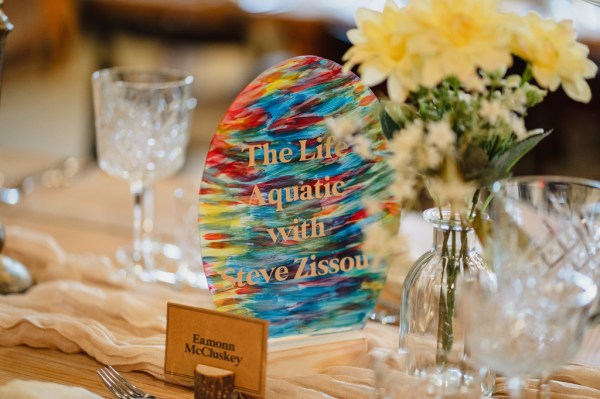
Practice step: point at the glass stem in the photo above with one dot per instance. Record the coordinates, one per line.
(142, 227)
(515, 387)
(543, 391)
(148, 227)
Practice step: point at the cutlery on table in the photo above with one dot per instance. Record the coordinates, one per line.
(120, 387)
(60, 174)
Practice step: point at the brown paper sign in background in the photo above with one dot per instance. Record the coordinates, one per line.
(217, 339)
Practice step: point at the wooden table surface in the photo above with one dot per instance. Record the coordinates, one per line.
(93, 215)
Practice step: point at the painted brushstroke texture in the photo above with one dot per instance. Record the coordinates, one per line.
(285, 104)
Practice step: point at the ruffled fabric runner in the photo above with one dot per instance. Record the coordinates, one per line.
(82, 303)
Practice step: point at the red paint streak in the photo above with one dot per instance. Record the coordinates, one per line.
(216, 236)
(362, 214)
(366, 100)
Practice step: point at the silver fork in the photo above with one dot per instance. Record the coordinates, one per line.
(120, 387)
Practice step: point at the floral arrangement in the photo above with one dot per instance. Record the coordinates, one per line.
(455, 115)
(454, 118)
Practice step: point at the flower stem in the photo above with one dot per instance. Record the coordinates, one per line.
(454, 258)
(444, 324)
(475, 200)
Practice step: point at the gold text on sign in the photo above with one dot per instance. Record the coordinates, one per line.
(272, 156)
(306, 267)
(300, 192)
(311, 228)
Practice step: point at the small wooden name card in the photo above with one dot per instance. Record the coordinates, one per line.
(222, 340)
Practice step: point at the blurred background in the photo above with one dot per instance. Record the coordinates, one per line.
(46, 105)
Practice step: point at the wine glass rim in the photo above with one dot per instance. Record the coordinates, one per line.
(586, 294)
(176, 77)
(545, 179)
(589, 290)
(446, 218)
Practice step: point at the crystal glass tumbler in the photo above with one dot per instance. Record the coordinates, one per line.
(142, 130)
(546, 223)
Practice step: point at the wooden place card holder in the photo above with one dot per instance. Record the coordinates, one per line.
(230, 349)
(213, 383)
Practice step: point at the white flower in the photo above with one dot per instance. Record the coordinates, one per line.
(513, 81)
(465, 97)
(517, 101)
(400, 160)
(517, 125)
(430, 157)
(474, 82)
(404, 187)
(494, 111)
(412, 134)
(342, 128)
(362, 146)
(383, 243)
(451, 190)
(408, 138)
(372, 206)
(441, 135)
(403, 144)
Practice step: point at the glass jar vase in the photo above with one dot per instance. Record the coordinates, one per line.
(429, 316)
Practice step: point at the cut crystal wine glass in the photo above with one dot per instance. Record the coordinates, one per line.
(544, 250)
(526, 328)
(142, 130)
(548, 223)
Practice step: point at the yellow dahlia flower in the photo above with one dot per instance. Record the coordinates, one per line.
(555, 55)
(456, 37)
(381, 51)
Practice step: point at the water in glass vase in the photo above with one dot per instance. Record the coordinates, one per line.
(429, 317)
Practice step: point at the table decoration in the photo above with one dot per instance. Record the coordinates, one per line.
(142, 128)
(225, 341)
(547, 223)
(115, 321)
(455, 119)
(211, 382)
(527, 328)
(413, 374)
(545, 245)
(282, 202)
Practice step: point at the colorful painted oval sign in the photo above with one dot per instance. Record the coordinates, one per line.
(282, 202)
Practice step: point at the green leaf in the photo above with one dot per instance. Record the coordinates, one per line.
(388, 125)
(507, 159)
(489, 175)
(474, 160)
(476, 166)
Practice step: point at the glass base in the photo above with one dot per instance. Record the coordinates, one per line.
(454, 381)
(412, 374)
(448, 381)
(166, 264)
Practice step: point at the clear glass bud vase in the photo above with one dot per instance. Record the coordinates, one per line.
(430, 319)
